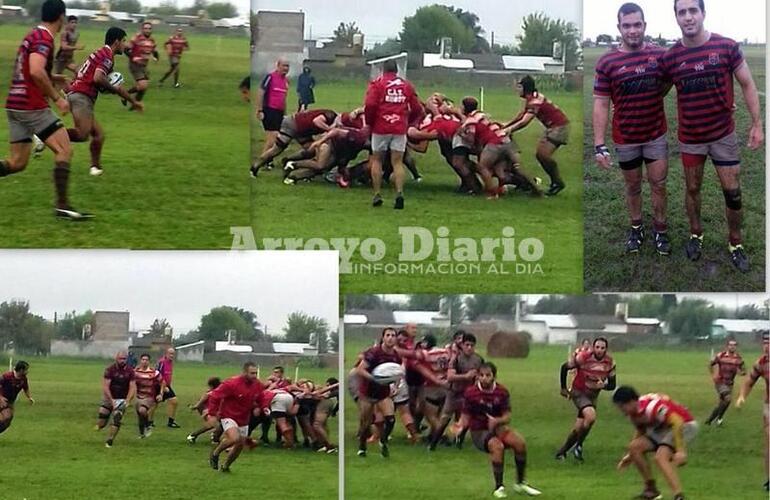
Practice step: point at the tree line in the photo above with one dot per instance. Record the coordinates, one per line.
(210, 10)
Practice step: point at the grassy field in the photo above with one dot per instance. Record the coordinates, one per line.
(724, 462)
(606, 217)
(52, 451)
(321, 210)
(173, 175)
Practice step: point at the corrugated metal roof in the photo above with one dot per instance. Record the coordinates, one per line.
(553, 320)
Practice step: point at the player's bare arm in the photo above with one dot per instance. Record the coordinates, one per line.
(131, 392)
(601, 112)
(748, 384)
(100, 77)
(362, 370)
(106, 391)
(751, 96)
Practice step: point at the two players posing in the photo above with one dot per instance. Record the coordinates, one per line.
(702, 66)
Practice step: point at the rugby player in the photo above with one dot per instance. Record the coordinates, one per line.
(92, 78)
(728, 363)
(702, 66)
(433, 365)
(390, 105)
(68, 44)
(28, 111)
(326, 408)
(175, 46)
(281, 407)
(149, 387)
(300, 127)
(118, 390)
(210, 421)
(663, 426)
(140, 49)
(166, 368)
(271, 102)
(487, 408)
(11, 384)
(556, 124)
(234, 400)
(761, 369)
(461, 374)
(595, 371)
(638, 123)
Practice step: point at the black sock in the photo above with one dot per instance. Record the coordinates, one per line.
(170, 420)
(569, 443)
(722, 408)
(583, 435)
(497, 471)
(140, 95)
(61, 175)
(390, 422)
(521, 466)
(461, 436)
(142, 425)
(5, 169)
(714, 414)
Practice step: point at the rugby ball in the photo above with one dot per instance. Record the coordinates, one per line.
(115, 78)
(387, 373)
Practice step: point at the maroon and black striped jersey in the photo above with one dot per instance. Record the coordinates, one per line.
(10, 386)
(634, 82)
(481, 402)
(176, 44)
(729, 365)
(24, 94)
(703, 77)
(85, 83)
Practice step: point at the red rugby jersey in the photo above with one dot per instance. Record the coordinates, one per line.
(235, 398)
(591, 370)
(654, 409)
(101, 59)
(142, 48)
(177, 44)
(544, 110)
(347, 120)
(762, 369)
(24, 94)
(391, 104)
(703, 77)
(10, 386)
(634, 81)
(304, 122)
(445, 125)
(479, 403)
(729, 365)
(436, 360)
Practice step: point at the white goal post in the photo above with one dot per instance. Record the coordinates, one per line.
(376, 65)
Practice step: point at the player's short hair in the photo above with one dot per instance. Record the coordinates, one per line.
(382, 334)
(245, 83)
(147, 23)
(52, 10)
(72, 18)
(332, 381)
(469, 337)
(429, 341)
(21, 366)
(624, 394)
(213, 382)
(402, 333)
(601, 339)
(470, 104)
(145, 355)
(458, 333)
(113, 35)
(528, 84)
(390, 66)
(330, 116)
(629, 8)
(489, 366)
(278, 368)
(701, 4)
(248, 364)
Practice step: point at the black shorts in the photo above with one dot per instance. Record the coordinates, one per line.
(170, 394)
(306, 407)
(272, 119)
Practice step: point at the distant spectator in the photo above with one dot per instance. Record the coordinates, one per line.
(305, 86)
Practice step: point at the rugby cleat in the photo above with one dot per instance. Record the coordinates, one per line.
(660, 240)
(399, 204)
(500, 493)
(555, 188)
(650, 494)
(561, 457)
(361, 453)
(254, 171)
(694, 247)
(225, 470)
(577, 452)
(377, 200)
(147, 431)
(739, 258)
(108, 443)
(72, 214)
(38, 148)
(173, 425)
(384, 451)
(719, 422)
(525, 488)
(96, 170)
(332, 450)
(288, 166)
(214, 461)
(635, 239)
(289, 181)
(191, 439)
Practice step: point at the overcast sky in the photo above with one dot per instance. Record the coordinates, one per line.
(730, 300)
(743, 19)
(179, 286)
(381, 21)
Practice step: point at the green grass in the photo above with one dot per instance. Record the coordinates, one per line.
(174, 176)
(52, 451)
(606, 217)
(320, 210)
(724, 462)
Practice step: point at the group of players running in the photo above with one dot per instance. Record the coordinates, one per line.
(453, 383)
(394, 121)
(39, 79)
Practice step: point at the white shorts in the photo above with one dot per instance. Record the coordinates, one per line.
(282, 402)
(229, 423)
(384, 142)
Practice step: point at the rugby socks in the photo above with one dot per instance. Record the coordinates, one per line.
(660, 227)
(5, 168)
(723, 405)
(140, 95)
(497, 471)
(552, 169)
(583, 435)
(714, 414)
(61, 175)
(390, 422)
(96, 152)
(569, 443)
(521, 466)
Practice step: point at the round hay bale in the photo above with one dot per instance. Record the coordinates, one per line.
(508, 345)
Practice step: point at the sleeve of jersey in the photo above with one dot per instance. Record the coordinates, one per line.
(736, 57)
(506, 404)
(601, 81)
(42, 46)
(265, 82)
(106, 65)
(370, 103)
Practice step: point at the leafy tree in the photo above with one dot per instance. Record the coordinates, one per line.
(70, 327)
(389, 47)
(423, 302)
(646, 306)
(369, 301)
(452, 306)
(539, 32)
(251, 318)
(301, 327)
(604, 38)
(30, 334)
(131, 6)
(13, 314)
(165, 8)
(422, 31)
(471, 22)
(503, 50)
(692, 318)
(343, 35)
(577, 304)
(221, 10)
(476, 305)
(751, 311)
(215, 324)
(158, 327)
